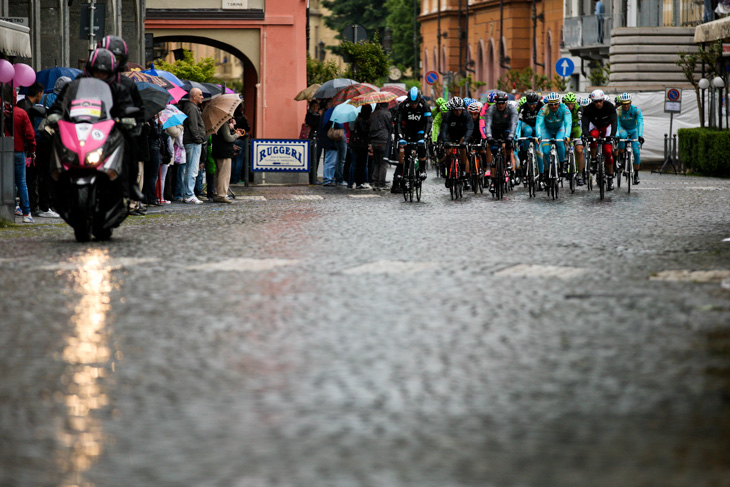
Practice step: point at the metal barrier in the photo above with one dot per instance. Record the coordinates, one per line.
(7, 179)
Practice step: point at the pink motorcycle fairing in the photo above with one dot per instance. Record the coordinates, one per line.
(83, 138)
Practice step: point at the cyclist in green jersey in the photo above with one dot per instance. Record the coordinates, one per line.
(576, 111)
(438, 115)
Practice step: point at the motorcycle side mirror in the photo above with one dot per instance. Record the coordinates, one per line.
(37, 111)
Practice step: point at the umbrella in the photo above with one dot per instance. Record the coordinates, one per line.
(331, 87)
(139, 76)
(155, 99)
(374, 97)
(306, 93)
(134, 67)
(344, 112)
(188, 85)
(351, 91)
(397, 101)
(215, 90)
(218, 111)
(177, 93)
(48, 77)
(164, 74)
(171, 112)
(394, 89)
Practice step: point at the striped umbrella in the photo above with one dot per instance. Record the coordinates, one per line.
(139, 76)
(352, 91)
(394, 89)
(374, 97)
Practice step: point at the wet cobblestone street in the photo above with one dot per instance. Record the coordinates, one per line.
(324, 337)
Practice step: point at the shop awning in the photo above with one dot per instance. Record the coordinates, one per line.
(14, 39)
(712, 31)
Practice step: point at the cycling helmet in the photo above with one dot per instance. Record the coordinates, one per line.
(500, 97)
(584, 101)
(442, 104)
(522, 101)
(475, 106)
(457, 103)
(624, 98)
(118, 47)
(552, 98)
(598, 95)
(532, 98)
(468, 101)
(103, 61)
(414, 95)
(491, 96)
(570, 98)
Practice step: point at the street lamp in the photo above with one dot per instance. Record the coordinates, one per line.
(719, 84)
(704, 83)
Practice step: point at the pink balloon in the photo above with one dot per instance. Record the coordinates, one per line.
(24, 75)
(7, 72)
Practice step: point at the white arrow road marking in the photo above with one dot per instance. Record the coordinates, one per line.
(243, 264)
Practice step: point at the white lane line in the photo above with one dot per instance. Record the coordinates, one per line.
(111, 264)
(305, 197)
(251, 198)
(390, 267)
(363, 196)
(726, 239)
(715, 275)
(243, 264)
(526, 270)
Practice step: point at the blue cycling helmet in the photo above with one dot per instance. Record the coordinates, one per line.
(491, 96)
(414, 95)
(468, 101)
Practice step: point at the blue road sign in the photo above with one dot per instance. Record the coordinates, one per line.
(432, 77)
(564, 67)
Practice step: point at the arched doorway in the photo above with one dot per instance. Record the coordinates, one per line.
(492, 67)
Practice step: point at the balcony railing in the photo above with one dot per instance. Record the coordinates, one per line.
(589, 30)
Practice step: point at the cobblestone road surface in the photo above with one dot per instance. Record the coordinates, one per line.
(315, 337)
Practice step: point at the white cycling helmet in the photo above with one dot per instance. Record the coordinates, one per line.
(598, 95)
(625, 98)
(475, 106)
(552, 98)
(584, 101)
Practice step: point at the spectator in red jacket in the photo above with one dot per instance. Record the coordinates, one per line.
(23, 147)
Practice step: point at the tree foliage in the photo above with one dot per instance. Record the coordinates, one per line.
(368, 61)
(522, 80)
(400, 21)
(367, 13)
(319, 72)
(687, 62)
(598, 74)
(202, 71)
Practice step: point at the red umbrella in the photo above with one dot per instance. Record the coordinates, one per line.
(394, 89)
(351, 92)
(374, 97)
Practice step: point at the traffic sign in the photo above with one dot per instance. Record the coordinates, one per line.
(673, 94)
(564, 67)
(432, 77)
(672, 100)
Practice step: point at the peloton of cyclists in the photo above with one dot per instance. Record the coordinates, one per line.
(630, 126)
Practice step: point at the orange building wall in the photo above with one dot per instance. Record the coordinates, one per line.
(484, 30)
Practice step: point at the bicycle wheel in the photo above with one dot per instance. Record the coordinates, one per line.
(499, 178)
(619, 169)
(530, 176)
(418, 190)
(629, 170)
(572, 172)
(601, 177)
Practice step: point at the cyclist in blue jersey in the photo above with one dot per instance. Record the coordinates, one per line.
(630, 126)
(553, 122)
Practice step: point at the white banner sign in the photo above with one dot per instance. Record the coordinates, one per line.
(280, 155)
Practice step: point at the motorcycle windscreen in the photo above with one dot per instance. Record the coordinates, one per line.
(91, 102)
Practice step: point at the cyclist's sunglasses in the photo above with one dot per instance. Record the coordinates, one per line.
(553, 103)
(501, 102)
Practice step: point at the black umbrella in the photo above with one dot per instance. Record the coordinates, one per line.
(155, 98)
(331, 87)
(188, 85)
(214, 89)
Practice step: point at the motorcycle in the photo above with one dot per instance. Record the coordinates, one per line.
(86, 161)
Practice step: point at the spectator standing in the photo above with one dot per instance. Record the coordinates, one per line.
(599, 12)
(223, 151)
(193, 138)
(359, 142)
(329, 146)
(312, 119)
(240, 144)
(381, 126)
(177, 166)
(23, 146)
(152, 165)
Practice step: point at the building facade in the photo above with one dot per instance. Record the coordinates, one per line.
(486, 38)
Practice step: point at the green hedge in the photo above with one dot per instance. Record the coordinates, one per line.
(705, 151)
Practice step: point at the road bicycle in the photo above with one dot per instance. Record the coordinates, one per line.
(552, 175)
(500, 175)
(454, 172)
(625, 163)
(529, 171)
(475, 167)
(600, 164)
(571, 171)
(411, 178)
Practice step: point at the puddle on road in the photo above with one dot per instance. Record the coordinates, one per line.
(714, 275)
(526, 270)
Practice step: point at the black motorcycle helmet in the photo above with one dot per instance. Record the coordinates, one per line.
(101, 65)
(118, 47)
